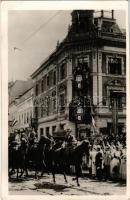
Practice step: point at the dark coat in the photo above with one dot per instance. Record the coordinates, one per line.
(98, 160)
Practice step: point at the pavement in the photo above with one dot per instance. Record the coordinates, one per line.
(45, 186)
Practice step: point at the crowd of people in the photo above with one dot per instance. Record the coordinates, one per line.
(107, 158)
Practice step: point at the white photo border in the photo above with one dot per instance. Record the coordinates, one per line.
(52, 5)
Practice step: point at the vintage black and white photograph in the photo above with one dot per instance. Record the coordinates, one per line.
(67, 102)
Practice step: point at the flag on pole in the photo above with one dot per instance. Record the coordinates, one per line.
(93, 123)
(14, 122)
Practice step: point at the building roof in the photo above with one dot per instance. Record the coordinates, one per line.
(18, 88)
(84, 30)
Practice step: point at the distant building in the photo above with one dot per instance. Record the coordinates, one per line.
(20, 105)
(90, 64)
(16, 88)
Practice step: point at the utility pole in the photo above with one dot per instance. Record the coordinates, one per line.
(115, 116)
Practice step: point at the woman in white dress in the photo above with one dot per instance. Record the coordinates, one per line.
(123, 164)
(115, 163)
(93, 156)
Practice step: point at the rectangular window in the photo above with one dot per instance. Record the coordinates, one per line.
(62, 126)
(39, 111)
(50, 78)
(45, 82)
(116, 102)
(53, 129)
(48, 81)
(114, 66)
(47, 131)
(62, 102)
(63, 71)
(119, 102)
(42, 85)
(24, 118)
(41, 131)
(58, 73)
(37, 89)
(36, 112)
(124, 101)
(54, 77)
(27, 117)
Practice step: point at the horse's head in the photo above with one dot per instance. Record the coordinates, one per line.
(85, 143)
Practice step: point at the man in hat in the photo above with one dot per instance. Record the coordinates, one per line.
(70, 139)
(24, 137)
(98, 163)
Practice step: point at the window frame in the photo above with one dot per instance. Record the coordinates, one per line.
(122, 65)
(63, 65)
(62, 107)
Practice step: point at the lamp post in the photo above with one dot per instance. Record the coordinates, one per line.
(114, 110)
(80, 107)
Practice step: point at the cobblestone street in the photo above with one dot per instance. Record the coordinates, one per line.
(45, 186)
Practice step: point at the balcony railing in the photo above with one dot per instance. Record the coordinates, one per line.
(114, 35)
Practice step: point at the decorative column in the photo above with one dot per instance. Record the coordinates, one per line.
(69, 81)
(69, 93)
(99, 78)
(94, 70)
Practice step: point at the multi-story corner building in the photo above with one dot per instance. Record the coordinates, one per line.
(20, 106)
(87, 70)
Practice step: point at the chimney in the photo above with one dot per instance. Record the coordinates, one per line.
(112, 14)
(82, 20)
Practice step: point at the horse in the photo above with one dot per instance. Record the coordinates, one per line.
(36, 155)
(17, 153)
(69, 156)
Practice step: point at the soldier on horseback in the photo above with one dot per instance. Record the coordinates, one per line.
(70, 139)
(32, 138)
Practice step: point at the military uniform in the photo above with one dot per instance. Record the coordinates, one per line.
(70, 139)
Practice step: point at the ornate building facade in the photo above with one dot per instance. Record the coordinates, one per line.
(82, 84)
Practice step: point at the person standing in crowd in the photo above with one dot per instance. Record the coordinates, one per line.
(90, 161)
(17, 137)
(24, 137)
(123, 163)
(98, 163)
(107, 161)
(92, 157)
(115, 163)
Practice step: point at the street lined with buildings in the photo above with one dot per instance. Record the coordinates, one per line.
(88, 71)
(75, 104)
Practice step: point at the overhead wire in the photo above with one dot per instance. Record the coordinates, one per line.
(41, 27)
